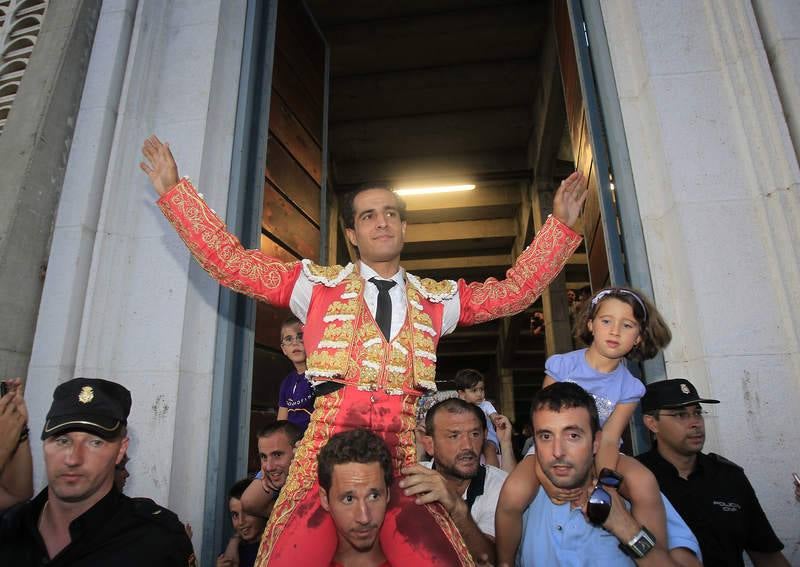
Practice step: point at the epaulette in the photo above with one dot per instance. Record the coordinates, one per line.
(329, 276)
(150, 511)
(723, 461)
(432, 290)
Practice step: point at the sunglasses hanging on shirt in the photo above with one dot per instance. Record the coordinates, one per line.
(599, 506)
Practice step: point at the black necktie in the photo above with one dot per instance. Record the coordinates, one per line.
(383, 314)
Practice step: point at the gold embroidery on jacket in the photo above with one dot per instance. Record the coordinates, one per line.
(406, 445)
(423, 344)
(432, 290)
(530, 274)
(329, 276)
(302, 472)
(369, 355)
(331, 358)
(399, 372)
(352, 349)
(218, 252)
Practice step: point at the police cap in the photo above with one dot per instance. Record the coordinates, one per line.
(93, 405)
(674, 393)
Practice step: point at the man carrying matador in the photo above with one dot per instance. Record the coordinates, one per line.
(371, 331)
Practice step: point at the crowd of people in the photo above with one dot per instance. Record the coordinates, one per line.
(579, 513)
(361, 469)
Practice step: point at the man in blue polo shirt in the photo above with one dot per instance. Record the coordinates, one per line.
(566, 433)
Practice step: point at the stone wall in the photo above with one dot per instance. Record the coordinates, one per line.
(34, 146)
(118, 303)
(717, 183)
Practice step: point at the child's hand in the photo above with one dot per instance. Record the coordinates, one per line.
(502, 427)
(575, 495)
(571, 494)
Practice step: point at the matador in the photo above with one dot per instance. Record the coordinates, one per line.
(371, 331)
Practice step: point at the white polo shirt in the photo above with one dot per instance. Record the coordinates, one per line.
(484, 507)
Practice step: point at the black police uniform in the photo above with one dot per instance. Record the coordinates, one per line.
(118, 531)
(719, 505)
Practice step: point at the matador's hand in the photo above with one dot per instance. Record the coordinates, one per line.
(159, 165)
(569, 199)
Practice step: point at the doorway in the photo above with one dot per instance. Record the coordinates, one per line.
(433, 93)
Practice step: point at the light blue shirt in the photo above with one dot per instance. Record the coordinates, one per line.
(557, 534)
(608, 390)
(491, 432)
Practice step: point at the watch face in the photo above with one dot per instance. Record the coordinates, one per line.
(644, 542)
(640, 545)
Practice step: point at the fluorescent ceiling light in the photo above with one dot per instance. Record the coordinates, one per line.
(430, 190)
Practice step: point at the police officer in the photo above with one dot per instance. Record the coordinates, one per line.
(711, 493)
(80, 519)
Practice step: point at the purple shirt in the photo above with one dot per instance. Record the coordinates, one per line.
(608, 390)
(296, 396)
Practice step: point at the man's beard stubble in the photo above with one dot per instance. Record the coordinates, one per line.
(581, 478)
(453, 471)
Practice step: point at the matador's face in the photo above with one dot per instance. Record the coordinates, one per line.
(378, 231)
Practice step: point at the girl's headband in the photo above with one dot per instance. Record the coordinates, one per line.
(601, 294)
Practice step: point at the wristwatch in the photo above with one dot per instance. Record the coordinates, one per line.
(640, 545)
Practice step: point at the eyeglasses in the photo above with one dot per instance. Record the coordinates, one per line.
(599, 506)
(685, 415)
(289, 339)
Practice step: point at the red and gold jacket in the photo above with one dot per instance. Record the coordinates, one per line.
(343, 343)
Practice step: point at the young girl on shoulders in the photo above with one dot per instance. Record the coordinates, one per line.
(617, 324)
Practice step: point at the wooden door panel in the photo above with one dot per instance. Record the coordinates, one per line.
(285, 222)
(581, 146)
(292, 180)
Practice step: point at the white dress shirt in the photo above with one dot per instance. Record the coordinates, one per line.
(301, 299)
(485, 505)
